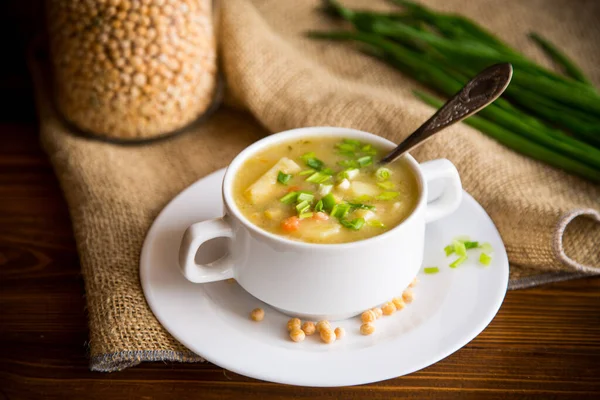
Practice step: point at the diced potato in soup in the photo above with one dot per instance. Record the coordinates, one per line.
(325, 190)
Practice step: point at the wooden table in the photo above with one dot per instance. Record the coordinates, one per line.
(544, 342)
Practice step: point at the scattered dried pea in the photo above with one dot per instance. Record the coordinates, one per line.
(399, 303)
(408, 296)
(309, 328)
(339, 333)
(368, 316)
(257, 314)
(294, 323)
(323, 325)
(297, 335)
(367, 329)
(414, 282)
(388, 308)
(378, 312)
(327, 335)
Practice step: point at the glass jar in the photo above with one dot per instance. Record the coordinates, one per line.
(132, 69)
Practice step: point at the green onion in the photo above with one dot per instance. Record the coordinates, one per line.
(328, 202)
(366, 148)
(340, 210)
(315, 163)
(355, 224)
(431, 270)
(485, 259)
(364, 161)
(356, 206)
(363, 199)
(459, 248)
(449, 250)
(375, 223)
(318, 177)
(289, 198)
(486, 248)
(383, 174)
(349, 164)
(307, 172)
(388, 185)
(348, 173)
(352, 142)
(305, 215)
(327, 171)
(304, 196)
(319, 206)
(302, 207)
(458, 261)
(345, 147)
(470, 245)
(387, 196)
(307, 156)
(283, 178)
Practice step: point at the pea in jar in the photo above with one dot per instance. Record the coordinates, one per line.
(132, 69)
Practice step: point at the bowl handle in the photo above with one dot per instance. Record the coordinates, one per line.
(451, 196)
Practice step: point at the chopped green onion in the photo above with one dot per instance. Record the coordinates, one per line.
(375, 223)
(315, 163)
(307, 156)
(458, 261)
(307, 172)
(431, 270)
(283, 178)
(356, 206)
(364, 161)
(302, 207)
(449, 250)
(383, 174)
(318, 177)
(305, 215)
(349, 164)
(471, 245)
(387, 196)
(364, 198)
(346, 147)
(346, 153)
(304, 196)
(352, 142)
(348, 173)
(328, 202)
(327, 171)
(340, 210)
(319, 206)
(289, 198)
(366, 148)
(485, 259)
(388, 185)
(459, 248)
(355, 224)
(486, 248)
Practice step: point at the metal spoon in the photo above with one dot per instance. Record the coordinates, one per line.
(480, 91)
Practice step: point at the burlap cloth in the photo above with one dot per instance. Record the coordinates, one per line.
(277, 80)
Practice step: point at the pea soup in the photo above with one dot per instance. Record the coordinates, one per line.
(325, 190)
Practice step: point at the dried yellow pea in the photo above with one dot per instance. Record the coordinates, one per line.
(378, 312)
(367, 329)
(294, 323)
(309, 328)
(368, 316)
(297, 335)
(408, 296)
(398, 302)
(324, 324)
(327, 335)
(339, 333)
(388, 308)
(257, 314)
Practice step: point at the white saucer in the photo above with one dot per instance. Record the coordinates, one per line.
(212, 320)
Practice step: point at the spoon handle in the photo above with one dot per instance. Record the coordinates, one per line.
(480, 91)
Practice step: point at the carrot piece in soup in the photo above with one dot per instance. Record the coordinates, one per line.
(290, 224)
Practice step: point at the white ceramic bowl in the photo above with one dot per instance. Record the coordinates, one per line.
(320, 281)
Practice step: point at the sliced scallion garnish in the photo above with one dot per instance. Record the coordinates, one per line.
(349, 164)
(328, 202)
(312, 161)
(283, 178)
(304, 196)
(305, 215)
(375, 223)
(471, 245)
(356, 206)
(289, 198)
(449, 250)
(388, 185)
(486, 248)
(302, 207)
(363, 199)
(352, 142)
(431, 270)
(307, 172)
(364, 161)
(355, 224)
(459, 248)
(458, 261)
(318, 177)
(388, 196)
(319, 206)
(340, 210)
(346, 147)
(383, 174)
(485, 259)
